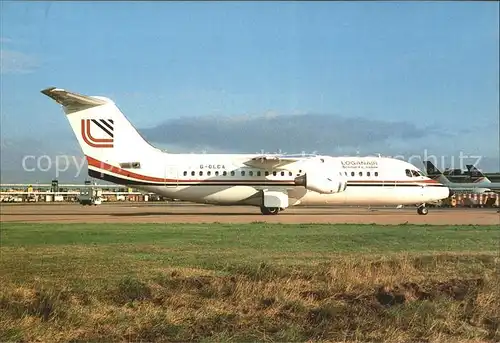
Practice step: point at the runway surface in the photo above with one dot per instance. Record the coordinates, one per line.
(187, 213)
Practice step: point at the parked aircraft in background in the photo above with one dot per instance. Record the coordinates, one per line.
(481, 178)
(456, 187)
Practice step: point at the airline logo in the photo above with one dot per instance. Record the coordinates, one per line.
(98, 133)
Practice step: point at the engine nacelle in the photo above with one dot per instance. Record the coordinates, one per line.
(321, 183)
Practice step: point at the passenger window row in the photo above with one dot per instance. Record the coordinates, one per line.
(233, 173)
(259, 173)
(361, 174)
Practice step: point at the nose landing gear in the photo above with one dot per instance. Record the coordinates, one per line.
(422, 210)
(270, 210)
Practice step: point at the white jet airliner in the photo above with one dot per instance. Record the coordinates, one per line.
(116, 152)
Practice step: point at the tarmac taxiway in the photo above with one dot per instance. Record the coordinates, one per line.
(192, 213)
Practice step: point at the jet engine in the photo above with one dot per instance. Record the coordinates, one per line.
(322, 183)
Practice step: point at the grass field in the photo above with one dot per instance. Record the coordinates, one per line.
(250, 282)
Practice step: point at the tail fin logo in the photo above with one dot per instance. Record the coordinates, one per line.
(103, 135)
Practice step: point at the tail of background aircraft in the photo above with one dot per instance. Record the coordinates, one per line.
(103, 132)
(435, 173)
(476, 173)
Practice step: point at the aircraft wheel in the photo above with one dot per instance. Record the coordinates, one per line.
(422, 211)
(269, 210)
(274, 210)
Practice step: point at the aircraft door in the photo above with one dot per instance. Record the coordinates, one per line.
(171, 176)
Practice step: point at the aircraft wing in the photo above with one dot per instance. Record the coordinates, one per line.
(269, 161)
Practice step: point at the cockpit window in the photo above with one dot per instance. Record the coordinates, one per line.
(408, 173)
(415, 173)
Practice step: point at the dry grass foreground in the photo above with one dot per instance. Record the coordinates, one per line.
(80, 283)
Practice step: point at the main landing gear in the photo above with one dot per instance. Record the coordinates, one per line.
(422, 210)
(270, 210)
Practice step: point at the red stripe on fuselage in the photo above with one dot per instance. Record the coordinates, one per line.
(138, 177)
(397, 181)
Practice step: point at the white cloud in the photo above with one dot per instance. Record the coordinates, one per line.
(15, 62)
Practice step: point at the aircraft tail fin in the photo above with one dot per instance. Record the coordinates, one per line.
(434, 173)
(477, 174)
(102, 130)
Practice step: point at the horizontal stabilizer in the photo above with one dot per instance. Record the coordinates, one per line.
(72, 100)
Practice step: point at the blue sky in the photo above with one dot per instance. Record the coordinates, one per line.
(426, 63)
